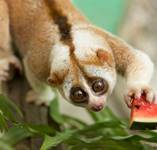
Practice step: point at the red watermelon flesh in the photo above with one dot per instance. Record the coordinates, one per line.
(143, 114)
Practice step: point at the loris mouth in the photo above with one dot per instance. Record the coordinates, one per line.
(97, 108)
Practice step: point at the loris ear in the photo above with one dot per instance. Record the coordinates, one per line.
(105, 56)
(57, 78)
(51, 81)
(54, 79)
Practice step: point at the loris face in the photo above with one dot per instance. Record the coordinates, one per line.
(84, 73)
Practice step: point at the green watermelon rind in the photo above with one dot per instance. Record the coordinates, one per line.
(143, 123)
(137, 125)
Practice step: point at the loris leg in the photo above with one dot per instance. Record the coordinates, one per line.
(7, 58)
(41, 93)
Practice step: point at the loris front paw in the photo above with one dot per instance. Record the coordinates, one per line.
(136, 92)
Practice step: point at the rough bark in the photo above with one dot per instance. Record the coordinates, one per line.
(17, 90)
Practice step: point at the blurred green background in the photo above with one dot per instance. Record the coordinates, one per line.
(107, 14)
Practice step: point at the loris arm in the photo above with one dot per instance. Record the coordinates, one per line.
(6, 54)
(135, 66)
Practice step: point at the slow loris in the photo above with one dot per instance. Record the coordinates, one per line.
(61, 49)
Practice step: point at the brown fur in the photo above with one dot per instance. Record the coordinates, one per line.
(35, 26)
(4, 28)
(37, 34)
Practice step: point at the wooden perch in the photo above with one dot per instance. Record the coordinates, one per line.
(17, 89)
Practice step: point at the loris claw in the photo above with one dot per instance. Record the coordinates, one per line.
(135, 92)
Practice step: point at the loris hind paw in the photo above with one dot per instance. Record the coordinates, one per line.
(6, 64)
(137, 91)
(37, 99)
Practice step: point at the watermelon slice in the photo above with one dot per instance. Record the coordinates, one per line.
(143, 114)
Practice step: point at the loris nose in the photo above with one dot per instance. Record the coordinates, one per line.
(97, 107)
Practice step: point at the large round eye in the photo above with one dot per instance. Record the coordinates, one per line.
(78, 95)
(100, 86)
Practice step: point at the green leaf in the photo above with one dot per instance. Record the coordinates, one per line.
(54, 111)
(103, 144)
(108, 114)
(50, 142)
(3, 124)
(109, 128)
(101, 141)
(74, 122)
(23, 131)
(137, 138)
(62, 119)
(40, 129)
(8, 108)
(95, 132)
(149, 146)
(93, 138)
(97, 117)
(102, 125)
(16, 134)
(104, 115)
(5, 146)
